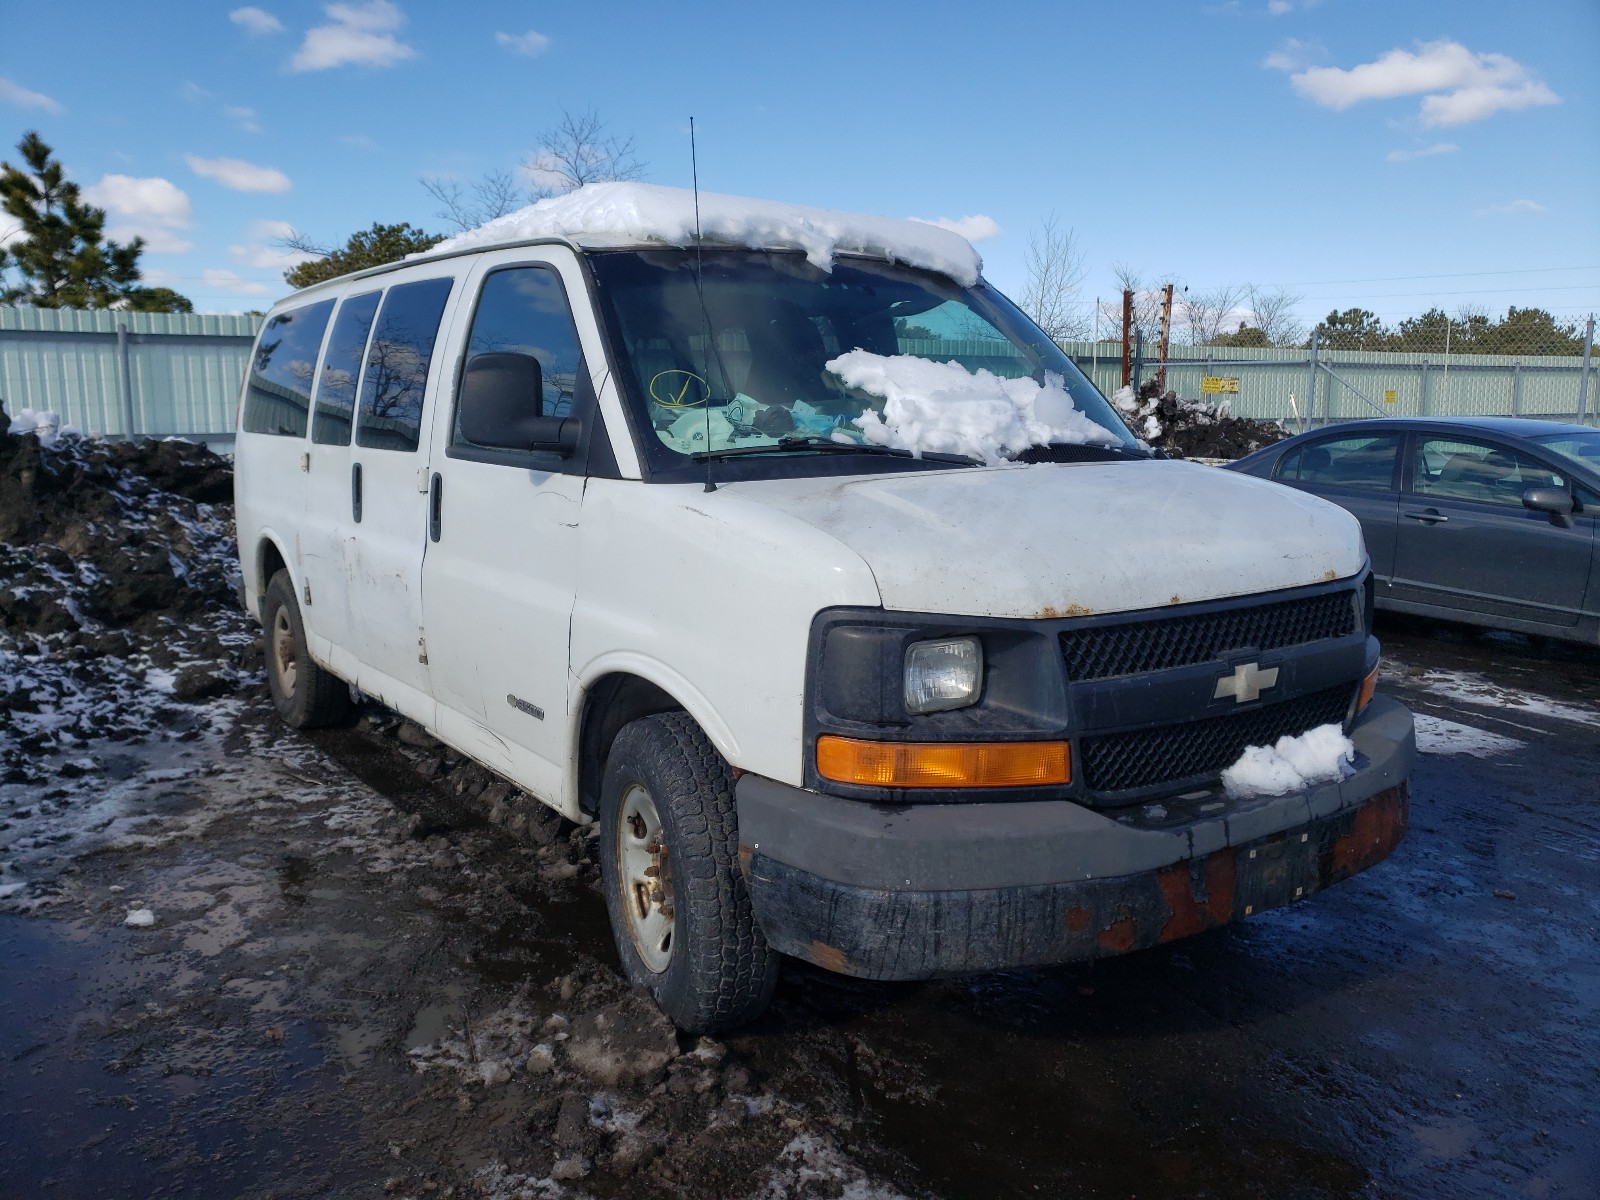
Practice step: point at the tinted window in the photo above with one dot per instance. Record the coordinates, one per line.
(280, 377)
(1489, 474)
(523, 310)
(1365, 462)
(341, 368)
(396, 372)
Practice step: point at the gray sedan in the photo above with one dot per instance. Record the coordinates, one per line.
(1490, 520)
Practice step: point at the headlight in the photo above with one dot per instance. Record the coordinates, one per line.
(943, 674)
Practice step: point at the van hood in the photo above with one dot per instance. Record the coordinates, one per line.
(1055, 540)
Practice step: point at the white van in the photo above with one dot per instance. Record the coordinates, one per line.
(782, 545)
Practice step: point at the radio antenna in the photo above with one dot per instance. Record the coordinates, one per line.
(705, 368)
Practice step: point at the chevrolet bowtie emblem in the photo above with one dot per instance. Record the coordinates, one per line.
(1246, 683)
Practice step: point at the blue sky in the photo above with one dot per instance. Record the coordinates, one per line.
(1394, 155)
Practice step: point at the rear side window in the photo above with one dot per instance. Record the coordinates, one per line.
(1477, 471)
(396, 373)
(341, 369)
(1366, 463)
(279, 395)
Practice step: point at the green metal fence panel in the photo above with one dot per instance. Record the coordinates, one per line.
(183, 370)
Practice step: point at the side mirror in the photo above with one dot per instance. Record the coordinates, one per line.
(501, 406)
(1555, 501)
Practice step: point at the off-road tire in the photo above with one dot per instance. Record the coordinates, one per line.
(310, 696)
(721, 972)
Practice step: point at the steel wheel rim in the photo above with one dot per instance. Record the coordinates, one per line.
(644, 872)
(283, 652)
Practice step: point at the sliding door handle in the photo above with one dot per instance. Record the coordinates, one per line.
(355, 492)
(435, 507)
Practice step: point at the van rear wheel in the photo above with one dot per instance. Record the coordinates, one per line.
(669, 861)
(304, 694)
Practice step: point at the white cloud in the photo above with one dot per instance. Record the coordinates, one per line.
(1278, 8)
(258, 251)
(1293, 54)
(1458, 85)
(974, 228)
(256, 20)
(156, 239)
(239, 175)
(193, 92)
(244, 118)
(361, 33)
(1421, 152)
(15, 94)
(151, 208)
(359, 141)
(146, 202)
(217, 279)
(1513, 209)
(530, 43)
(1466, 105)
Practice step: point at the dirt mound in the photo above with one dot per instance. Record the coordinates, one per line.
(118, 585)
(1186, 429)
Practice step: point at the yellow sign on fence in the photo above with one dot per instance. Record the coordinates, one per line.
(1219, 385)
(1389, 396)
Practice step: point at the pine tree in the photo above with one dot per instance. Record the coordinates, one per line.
(369, 248)
(61, 257)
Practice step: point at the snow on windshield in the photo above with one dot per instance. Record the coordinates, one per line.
(941, 407)
(650, 213)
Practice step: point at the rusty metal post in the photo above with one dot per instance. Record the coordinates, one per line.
(1166, 334)
(1588, 367)
(1127, 336)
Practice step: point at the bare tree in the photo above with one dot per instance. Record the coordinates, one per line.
(1055, 266)
(1208, 314)
(579, 151)
(1274, 312)
(493, 195)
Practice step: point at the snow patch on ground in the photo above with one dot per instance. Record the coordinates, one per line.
(1317, 756)
(46, 426)
(1435, 735)
(945, 408)
(812, 1165)
(1467, 687)
(642, 212)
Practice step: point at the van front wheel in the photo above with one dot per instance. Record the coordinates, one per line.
(303, 693)
(670, 864)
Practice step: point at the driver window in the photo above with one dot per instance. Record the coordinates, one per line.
(1480, 471)
(524, 310)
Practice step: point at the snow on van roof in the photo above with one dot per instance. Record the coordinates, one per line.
(644, 212)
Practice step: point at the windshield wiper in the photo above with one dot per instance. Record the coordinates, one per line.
(822, 445)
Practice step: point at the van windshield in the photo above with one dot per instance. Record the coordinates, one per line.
(771, 351)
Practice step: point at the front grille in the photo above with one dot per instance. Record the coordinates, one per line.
(1144, 758)
(1135, 647)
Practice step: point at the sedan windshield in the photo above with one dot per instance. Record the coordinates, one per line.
(1582, 448)
(747, 349)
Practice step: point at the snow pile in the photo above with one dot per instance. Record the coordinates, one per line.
(1317, 756)
(46, 426)
(945, 408)
(1187, 429)
(641, 212)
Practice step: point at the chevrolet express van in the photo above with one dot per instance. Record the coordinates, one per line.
(779, 543)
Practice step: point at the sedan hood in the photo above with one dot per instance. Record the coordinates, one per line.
(1054, 540)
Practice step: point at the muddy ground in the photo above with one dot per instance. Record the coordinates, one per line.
(241, 961)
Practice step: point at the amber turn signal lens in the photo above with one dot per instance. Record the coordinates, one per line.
(943, 764)
(1369, 687)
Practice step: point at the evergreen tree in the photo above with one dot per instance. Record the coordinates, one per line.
(61, 258)
(1353, 329)
(369, 248)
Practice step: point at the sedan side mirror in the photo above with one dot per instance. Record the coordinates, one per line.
(1557, 502)
(501, 406)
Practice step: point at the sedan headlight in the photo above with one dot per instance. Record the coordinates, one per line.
(943, 674)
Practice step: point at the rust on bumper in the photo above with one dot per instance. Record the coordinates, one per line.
(883, 934)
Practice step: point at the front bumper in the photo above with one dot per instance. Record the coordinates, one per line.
(917, 892)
